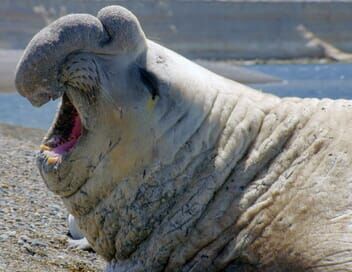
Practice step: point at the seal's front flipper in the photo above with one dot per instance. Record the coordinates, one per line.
(81, 244)
(77, 239)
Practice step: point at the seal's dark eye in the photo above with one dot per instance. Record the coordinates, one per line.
(150, 81)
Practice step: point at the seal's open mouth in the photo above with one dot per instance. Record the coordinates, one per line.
(64, 134)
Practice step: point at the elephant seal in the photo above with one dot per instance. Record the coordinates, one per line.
(168, 166)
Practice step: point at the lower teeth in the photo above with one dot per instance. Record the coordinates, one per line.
(45, 148)
(53, 160)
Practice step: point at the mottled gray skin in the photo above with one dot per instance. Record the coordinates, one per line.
(209, 175)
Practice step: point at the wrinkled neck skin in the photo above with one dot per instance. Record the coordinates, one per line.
(159, 207)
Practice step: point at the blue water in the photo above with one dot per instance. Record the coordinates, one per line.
(302, 80)
(309, 80)
(16, 110)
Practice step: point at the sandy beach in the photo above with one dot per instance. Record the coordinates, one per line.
(33, 220)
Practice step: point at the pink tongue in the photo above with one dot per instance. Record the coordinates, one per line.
(75, 133)
(64, 147)
(77, 128)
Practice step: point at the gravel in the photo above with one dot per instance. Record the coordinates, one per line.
(33, 227)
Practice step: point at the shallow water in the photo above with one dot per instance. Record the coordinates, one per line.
(16, 110)
(309, 80)
(302, 80)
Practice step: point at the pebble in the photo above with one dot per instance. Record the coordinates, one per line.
(12, 233)
(38, 243)
(4, 237)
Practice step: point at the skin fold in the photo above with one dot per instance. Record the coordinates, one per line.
(180, 169)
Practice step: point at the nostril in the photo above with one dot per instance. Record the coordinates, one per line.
(40, 97)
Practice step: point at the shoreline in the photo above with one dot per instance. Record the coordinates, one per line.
(32, 135)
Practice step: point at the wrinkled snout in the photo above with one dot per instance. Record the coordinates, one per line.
(114, 31)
